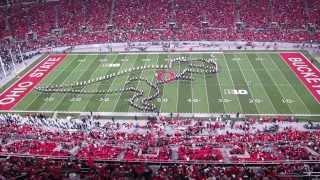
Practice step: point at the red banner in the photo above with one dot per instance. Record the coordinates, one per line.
(307, 73)
(17, 91)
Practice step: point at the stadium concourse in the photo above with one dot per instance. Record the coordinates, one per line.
(38, 146)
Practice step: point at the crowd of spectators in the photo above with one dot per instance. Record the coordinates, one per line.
(11, 57)
(41, 168)
(40, 147)
(67, 145)
(147, 14)
(167, 140)
(69, 22)
(314, 12)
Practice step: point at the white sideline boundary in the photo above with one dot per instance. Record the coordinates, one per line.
(146, 114)
(185, 52)
(167, 114)
(160, 52)
(175, 52)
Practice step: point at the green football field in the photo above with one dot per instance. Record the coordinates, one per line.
(246, 82)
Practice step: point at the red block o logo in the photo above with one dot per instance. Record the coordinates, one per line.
(166, 76)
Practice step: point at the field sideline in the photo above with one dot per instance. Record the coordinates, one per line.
(252, 82)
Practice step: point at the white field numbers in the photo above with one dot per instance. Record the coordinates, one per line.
(111, 65)
(49, 99)
(193, 100)
(287, 101)
(259, 59)
(103, 60)
(236, 59)
(104, 99)
(75, 99)
(255, 100)
(146, 60)
(162, 100)
(224, 100)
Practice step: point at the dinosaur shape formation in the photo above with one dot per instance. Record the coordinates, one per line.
(139, 100)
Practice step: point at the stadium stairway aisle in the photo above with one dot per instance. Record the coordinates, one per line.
(174, 154)
(312, 151)
(225, 155)
(121, 156)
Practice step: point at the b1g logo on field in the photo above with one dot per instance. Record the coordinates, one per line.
(236, 91)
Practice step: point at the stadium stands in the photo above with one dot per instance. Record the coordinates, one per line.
(34, 146)
(33, 168)
(168, 141)
(164, 140)
(289, 15)
(5, 49)
(147, 14)
(313, 11)
(84, 22)
(255, 14)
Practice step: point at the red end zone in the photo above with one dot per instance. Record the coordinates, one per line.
(306, 72)
(17, 91)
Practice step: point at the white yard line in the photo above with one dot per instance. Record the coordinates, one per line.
(177, 100)
(205, 85)
(229, 72)
(261, 84)
(283, 76)
(206, 90)
(77, 79)
(192, 106)
(220, 87)
(112, 61)
(39, 94)
(247, 84)
(162, 84)
(153, 79)
(278, 88)
(115, 103)
(164, 89)
(116, 56)
(141, 76)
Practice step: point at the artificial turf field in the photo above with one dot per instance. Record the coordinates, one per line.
(272, 88)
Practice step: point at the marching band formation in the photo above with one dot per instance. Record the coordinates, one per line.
(139, 100)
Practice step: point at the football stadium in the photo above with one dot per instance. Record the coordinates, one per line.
(145, 89)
